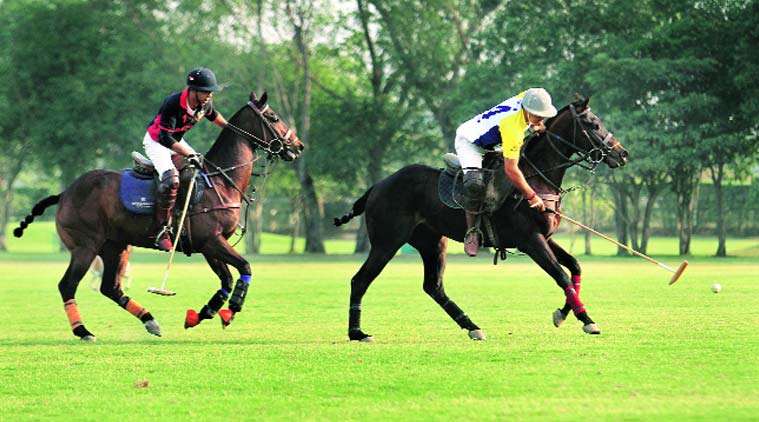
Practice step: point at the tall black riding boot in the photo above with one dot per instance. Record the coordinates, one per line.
(166, 196)
(474, 193)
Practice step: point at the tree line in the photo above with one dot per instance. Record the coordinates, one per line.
(373, 85)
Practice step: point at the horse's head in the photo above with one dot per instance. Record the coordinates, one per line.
(589, 136)
(266, 130)
(284, 142)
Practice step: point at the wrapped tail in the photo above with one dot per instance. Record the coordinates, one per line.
(358, 209)
(38, 210)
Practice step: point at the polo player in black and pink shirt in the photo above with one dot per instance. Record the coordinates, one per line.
(164, 138)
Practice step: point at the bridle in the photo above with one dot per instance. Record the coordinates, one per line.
(601, 147)
(273, 147)
(276, 144)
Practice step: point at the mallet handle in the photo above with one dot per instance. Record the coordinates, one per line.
(627, 248)
(179, 228)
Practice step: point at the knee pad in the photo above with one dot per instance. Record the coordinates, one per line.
(169, 181)
(474, 188)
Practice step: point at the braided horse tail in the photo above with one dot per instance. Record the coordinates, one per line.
(358, 209)
(38, 210)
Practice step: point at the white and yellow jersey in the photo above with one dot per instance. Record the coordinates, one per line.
(502, 124)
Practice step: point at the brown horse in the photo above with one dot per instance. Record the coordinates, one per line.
(406, 208)
(91, 219)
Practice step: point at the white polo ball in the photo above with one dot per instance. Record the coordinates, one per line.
(716, 287)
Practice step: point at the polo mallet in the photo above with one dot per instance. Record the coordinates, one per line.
(677, 272)
(162, 291)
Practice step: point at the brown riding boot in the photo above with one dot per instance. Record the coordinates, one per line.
(166, 196)
(473, 235)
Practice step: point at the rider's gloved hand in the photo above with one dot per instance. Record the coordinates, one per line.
(195, 160)
(537, 203)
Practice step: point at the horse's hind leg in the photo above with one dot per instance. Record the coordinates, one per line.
(538, 249)
(80, 261)
(568, 261)
(432, 248)
(213, 306)
(372, 267)
(115, 258)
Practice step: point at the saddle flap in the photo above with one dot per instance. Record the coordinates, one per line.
(497, 185)
(143, 167)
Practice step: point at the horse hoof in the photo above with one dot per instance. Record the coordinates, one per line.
(226, 316)
(153, 327)
(558, 318)
(591, 329)
(191, 319)
(477, 335)
(361, 336)
(89, 338)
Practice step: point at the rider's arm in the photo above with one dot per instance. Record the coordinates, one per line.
(512, 129)
(220, 121)
(511, 167)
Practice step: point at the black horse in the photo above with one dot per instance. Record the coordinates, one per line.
(91, 219)
(406, 208)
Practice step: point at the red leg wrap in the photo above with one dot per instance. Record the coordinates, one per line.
(576, 282)
(574, 300)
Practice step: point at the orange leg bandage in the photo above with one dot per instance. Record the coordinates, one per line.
(72, 311)
(135, 309)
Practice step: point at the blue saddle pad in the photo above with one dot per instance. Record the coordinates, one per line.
(137, 195)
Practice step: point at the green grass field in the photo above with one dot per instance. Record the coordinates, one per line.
(675, 352)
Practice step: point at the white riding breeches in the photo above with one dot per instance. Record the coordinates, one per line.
(159, 154)
(470, 155)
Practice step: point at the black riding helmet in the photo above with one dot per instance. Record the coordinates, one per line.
(202, 79)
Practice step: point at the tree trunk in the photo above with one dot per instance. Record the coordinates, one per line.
(653, 193)
(684, 185)
(255, 227)
(447, 129)
(374, 171)
(587, 215)
(311, 215)
(6, 210)
(717, 176)
(295, 210)
(620, 217)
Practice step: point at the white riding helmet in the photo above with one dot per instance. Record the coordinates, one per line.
(538, 102)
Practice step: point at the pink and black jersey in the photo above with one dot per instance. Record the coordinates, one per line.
(176, 117)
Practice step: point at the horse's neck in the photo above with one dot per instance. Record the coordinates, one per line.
(550, 160)
(234, 155)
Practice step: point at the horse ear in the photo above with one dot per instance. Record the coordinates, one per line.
(580, 103)
(264, 98)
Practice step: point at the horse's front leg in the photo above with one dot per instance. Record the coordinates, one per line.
(568, 261)
(218, 299)
(538, 249)
(220, 250)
